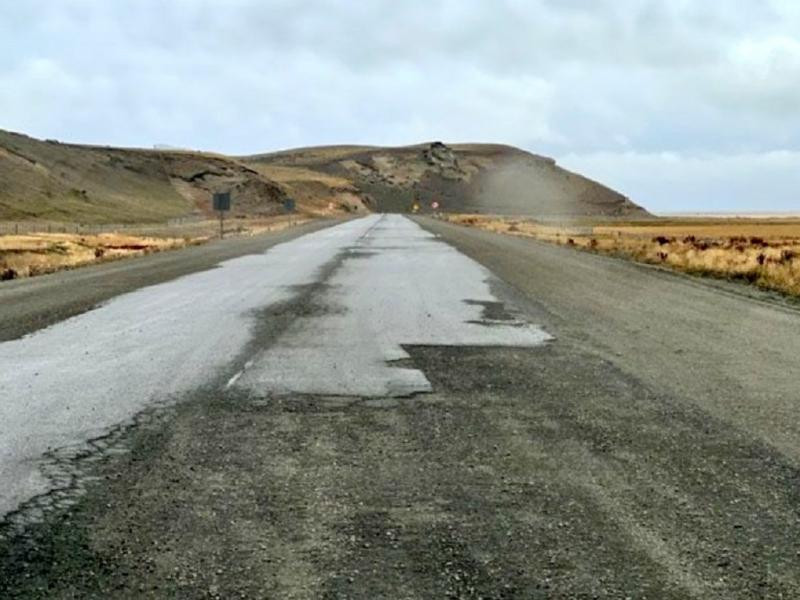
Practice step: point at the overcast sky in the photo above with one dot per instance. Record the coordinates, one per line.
(682, 105)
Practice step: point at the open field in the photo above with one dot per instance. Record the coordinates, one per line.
(762, 252)
(37, 253)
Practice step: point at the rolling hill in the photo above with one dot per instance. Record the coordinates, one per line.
(53, 181)
(46, 180)
(465, 178)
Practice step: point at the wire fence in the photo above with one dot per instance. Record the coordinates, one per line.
(30, 227)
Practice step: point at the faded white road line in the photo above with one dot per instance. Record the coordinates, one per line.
(397, 285)
(73, 381)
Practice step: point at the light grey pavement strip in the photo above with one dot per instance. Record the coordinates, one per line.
(398, 286)
(73, 381)
(395, 284)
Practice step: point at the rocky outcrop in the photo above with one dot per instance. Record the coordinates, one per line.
(443, 159)
(481, 178)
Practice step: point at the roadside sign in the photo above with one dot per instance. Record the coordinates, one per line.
(289, 205)
(434, 205)
(222, 201)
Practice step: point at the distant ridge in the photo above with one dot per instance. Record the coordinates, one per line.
(55, 181)
(482, 178)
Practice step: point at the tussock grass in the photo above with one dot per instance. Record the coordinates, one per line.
(764, 253)
(35, 254)
(38, 253)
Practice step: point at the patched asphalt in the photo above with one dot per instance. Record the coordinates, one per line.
(646, 452)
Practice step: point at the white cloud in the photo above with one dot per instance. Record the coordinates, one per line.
(761, 73)
(672, 182)
(618, 77)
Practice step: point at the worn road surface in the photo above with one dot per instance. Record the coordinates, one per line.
(388, 408)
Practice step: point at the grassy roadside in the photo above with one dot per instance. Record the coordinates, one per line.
(27, 255)
(765, 252)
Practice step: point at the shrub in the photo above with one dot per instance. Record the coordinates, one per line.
(58, 248)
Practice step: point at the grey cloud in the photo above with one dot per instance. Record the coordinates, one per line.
(572, 78)
(670, 183)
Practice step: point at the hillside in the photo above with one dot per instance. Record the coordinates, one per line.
(48, 180)
(474, 178)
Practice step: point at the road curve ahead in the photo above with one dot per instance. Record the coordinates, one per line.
(397, 409)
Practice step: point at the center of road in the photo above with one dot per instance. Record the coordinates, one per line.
(396, 285)
(380, 283)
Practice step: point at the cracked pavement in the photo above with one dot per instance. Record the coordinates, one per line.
(647, 450)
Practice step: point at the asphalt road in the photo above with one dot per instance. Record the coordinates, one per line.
(31, 304)
(371, 411)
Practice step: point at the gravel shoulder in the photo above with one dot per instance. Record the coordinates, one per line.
(725, 349)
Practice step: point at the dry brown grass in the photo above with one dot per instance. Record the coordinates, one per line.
(39, 253)
(718, 229)
(320, 194)
(34, 254)
(284, 174)
(309, 156)
(765, 253)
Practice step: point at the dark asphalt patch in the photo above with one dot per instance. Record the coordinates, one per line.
(492, 311)
(539, 473)
(534, 473)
